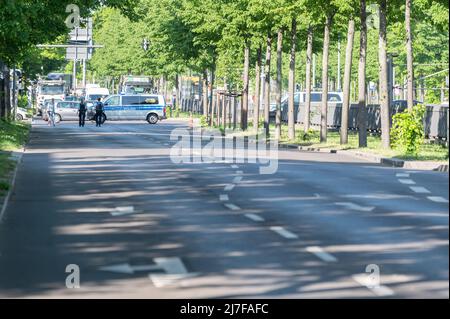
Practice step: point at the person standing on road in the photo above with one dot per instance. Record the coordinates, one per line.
(98, 112)
(82, 113)
(51, 113)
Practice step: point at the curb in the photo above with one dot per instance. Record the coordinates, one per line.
(17, 156)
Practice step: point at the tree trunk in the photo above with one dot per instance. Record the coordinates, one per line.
(205, 93)
(409, 55)
(257, 92)
(324, 105)
(291, 107)
(267, 87)
(362, 112)
(309, 57)
(279, 84)
(383, 77)
(244, 109)
(7, 93)
(177, 89)
(347, 79)
(211, 97)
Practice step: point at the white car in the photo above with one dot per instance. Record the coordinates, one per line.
(21, 114)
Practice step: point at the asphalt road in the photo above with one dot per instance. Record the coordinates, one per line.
(137, 225)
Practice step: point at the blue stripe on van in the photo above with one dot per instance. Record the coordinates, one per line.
(134, 107)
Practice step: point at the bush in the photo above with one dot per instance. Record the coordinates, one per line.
(204, 121)
(22, 101)
(407, 132)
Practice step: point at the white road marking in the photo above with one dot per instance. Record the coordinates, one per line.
(239, 172)
(224, 198)
(381, 291)
(283, 232)
(402, 175)
(407, 181)
(229, 187)
(438, 199)
(237, 179)
(356, 207)
(175, 271)
(254, 217)
(419, 189)
(234, 166)
(119, 211)
(232, 206)
(322, 254)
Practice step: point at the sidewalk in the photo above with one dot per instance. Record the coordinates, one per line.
(441, 166)
(16, 157)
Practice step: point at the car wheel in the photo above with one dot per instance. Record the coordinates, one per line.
(19, 117)
(152, 118)
(57, 118)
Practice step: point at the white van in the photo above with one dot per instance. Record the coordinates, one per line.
(93, 93)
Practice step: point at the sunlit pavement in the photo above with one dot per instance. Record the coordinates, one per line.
(111, 201)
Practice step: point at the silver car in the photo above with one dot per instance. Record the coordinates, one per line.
(66, 111)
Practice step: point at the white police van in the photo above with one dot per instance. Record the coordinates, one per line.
(149, 107)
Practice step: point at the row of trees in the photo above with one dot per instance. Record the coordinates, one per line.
(230, 42)
(26, 23)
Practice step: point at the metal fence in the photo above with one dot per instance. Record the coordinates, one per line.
(435, 121)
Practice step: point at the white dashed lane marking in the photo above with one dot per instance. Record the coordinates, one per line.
(229, 187)
(356, 207)
(232, 207)
(419, 189)
(402, 175)
(237, 179)
(254, 217)
(322, 254)
(283, 232)
(224, 198)
(234, 166)
(407, 181)
(239, 172)
(438, 199)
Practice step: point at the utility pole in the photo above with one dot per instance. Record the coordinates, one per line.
(314, 72)
(339, 65)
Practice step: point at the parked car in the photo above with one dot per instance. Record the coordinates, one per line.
(64, 111)
(21, 114)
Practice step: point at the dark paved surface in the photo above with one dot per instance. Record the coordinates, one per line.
(356, 212)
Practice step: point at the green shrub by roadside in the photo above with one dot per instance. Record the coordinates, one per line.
(13, 135)
(407, 132)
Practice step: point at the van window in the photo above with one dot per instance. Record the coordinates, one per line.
(112, 101)
(334, 98)
(316, 97)
(131, 100)
(150, 100)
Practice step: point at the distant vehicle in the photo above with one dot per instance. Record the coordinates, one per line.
(66, 111)
(151, 108)
(316, 97)
(402, 104)
(21, 114)
(130, 84)
(94, 93)
(46, 90)
(71, 98)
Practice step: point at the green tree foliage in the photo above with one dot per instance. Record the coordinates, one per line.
(407, 131)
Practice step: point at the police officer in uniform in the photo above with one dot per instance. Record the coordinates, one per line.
(98, 112)
(82, 113)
